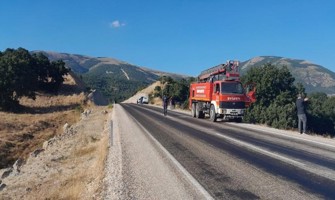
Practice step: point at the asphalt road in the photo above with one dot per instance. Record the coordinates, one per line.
(233, 162)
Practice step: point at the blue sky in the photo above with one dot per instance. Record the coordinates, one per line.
(181, 36)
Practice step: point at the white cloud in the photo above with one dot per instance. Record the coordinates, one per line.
(116, 24)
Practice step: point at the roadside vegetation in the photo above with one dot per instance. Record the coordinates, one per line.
(276, 93)
(24, 74)
(176, 90)
(41, 119)
(70, 167)
(37, 98)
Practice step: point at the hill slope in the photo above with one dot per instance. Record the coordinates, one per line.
(314, 77)
(116, 79)
(119, 80)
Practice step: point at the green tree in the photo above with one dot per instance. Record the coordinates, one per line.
(300, 88)
(178, 90)
(22, 74)
(275, 96)
(165, 79)
(321, 114)
(18, 76)
(56, 71)
(158, 91)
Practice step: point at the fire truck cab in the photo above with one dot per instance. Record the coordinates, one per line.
(219, 93)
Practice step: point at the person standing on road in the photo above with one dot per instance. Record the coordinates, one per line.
(165, 104)
(301, 109)
(172, 103)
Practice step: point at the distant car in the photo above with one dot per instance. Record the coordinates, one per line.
(142, 100)
(145, 100)
(139, 101)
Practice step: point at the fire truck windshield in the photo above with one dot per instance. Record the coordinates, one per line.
(231, 88)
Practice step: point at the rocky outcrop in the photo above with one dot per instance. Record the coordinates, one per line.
(18, 164)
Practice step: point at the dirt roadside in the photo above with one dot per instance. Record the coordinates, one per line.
(68, 166)
(138, 167)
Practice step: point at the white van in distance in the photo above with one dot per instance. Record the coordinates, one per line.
(143, 99)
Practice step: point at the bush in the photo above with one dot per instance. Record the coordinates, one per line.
(158, 91)
(178, 90)
(321, 114)
(276, 96)
(22, 74)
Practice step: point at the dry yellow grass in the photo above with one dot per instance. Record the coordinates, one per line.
(70, 189)
(86, 160)
(21, 133)
(75, 186)
(72, 168)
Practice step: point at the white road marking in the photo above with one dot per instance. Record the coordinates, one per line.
(260, 150)
(192, 180)
(315, 169)
(278, 132)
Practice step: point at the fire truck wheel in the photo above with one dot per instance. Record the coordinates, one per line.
(197, 111)
(201, 114)
(193, 111)
(212, 115)
(238, 120)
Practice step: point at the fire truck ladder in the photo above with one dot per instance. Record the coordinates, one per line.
(222, 71)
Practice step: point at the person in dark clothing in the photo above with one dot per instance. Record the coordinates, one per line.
(165, 104)
(301, 107)
(172, 102)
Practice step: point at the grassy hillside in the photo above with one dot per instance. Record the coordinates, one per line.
(117, 80)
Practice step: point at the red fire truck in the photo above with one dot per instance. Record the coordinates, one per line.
(219, 93)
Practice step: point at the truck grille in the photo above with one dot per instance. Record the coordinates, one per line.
(232, 105)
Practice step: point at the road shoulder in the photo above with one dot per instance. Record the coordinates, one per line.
(147, 172)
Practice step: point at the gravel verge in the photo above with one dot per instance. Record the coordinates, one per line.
(138, 168)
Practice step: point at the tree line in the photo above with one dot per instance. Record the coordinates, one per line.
(23, 74)
(276, 94)
(176, 90)
(115, 89)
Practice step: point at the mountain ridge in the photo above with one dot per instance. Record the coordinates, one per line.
(83, 63)
(314, 77)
